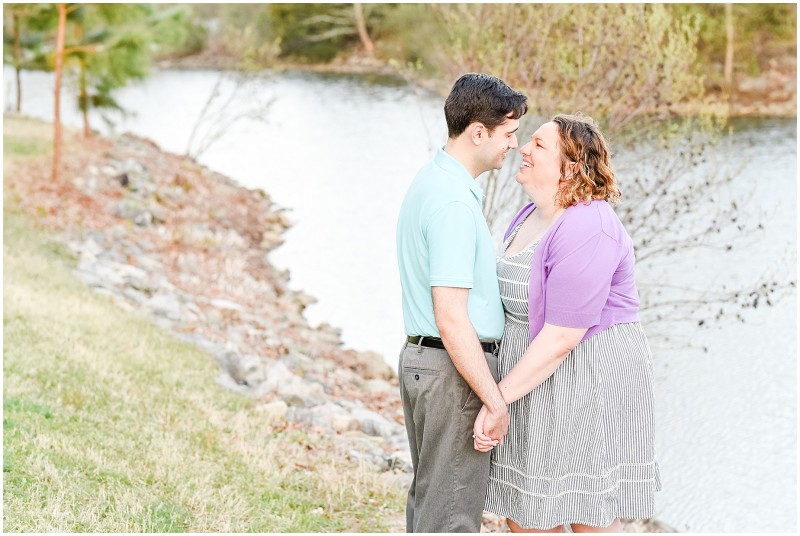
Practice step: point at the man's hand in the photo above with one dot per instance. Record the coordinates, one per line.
(485, 439)
(496, 423)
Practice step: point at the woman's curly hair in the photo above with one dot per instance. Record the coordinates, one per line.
(583, 145)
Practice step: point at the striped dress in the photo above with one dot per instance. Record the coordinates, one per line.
(580, 447)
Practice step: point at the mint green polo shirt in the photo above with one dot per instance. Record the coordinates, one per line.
(443, 240)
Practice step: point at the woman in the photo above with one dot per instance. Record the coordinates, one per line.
(574, 361)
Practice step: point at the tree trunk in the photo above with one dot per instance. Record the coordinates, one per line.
(17, 58)
(729, 50)
(361, 25)
(59, 64)
(84, 100)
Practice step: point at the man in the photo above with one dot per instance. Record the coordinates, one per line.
(452, 310)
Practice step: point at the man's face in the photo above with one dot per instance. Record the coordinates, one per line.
(499, 143)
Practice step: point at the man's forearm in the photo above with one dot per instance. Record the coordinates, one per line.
(464, 348)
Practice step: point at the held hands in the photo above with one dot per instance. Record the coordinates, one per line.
(488, 426)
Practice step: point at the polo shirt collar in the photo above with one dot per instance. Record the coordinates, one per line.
(448, 163)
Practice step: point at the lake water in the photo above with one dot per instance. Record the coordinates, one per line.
(340, 151)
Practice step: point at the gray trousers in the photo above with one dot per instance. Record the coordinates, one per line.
(448, 491)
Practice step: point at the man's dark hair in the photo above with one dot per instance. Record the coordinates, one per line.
(482, 98)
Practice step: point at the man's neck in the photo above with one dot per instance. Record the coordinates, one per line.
(464, 155)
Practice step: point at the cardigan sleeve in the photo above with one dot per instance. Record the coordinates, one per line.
(579, 280)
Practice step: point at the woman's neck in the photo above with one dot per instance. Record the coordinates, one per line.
(546, 206)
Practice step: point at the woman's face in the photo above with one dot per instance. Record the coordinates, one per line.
(541, 159)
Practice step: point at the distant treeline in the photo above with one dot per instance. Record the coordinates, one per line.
(266, 34)
(623, 59)
(412, 33)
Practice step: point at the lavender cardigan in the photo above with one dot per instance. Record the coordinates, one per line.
(582, 272)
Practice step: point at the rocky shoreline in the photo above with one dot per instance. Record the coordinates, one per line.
(186, 246)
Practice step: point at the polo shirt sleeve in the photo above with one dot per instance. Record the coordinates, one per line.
(579, 281)
(452, 237)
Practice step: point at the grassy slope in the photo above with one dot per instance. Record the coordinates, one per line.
(110, 424)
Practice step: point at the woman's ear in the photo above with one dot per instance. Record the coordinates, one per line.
(570, 170)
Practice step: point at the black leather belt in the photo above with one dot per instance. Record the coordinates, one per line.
(435, 342)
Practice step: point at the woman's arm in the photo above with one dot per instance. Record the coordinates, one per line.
(546, 352)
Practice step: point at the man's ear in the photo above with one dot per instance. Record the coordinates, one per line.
(477, 132)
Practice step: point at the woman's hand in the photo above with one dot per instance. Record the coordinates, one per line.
(481, 441)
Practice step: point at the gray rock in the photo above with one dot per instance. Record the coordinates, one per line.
(144, 219)
(119, 232)
(107, 272)
(267, 376)
(228, 359)
(399, 441)
(375, 365)
(343, 422)
(135, 170)
(165, 305)
(372, 423)
(91, 279)
(211, 347)
(400, 460)
(227, 382)
(163, 285)
(213, 317)
(139, 213)
(147, 245)
(220, 303)
(400, 479)
(162, 322)
(376, 459)
(303, 394)
(297, 361)
(193, 313)
(273, 411)
(330, 416)
(187, 262)
(251, 370)
(106, 292)
(133, 276)
(279, 374)
(109, 170)
(377, 386)
(231, 241)
(135, 296)
(123, 180)
(292, 388)
(92, 245)
(375, 424)
(129, 209)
